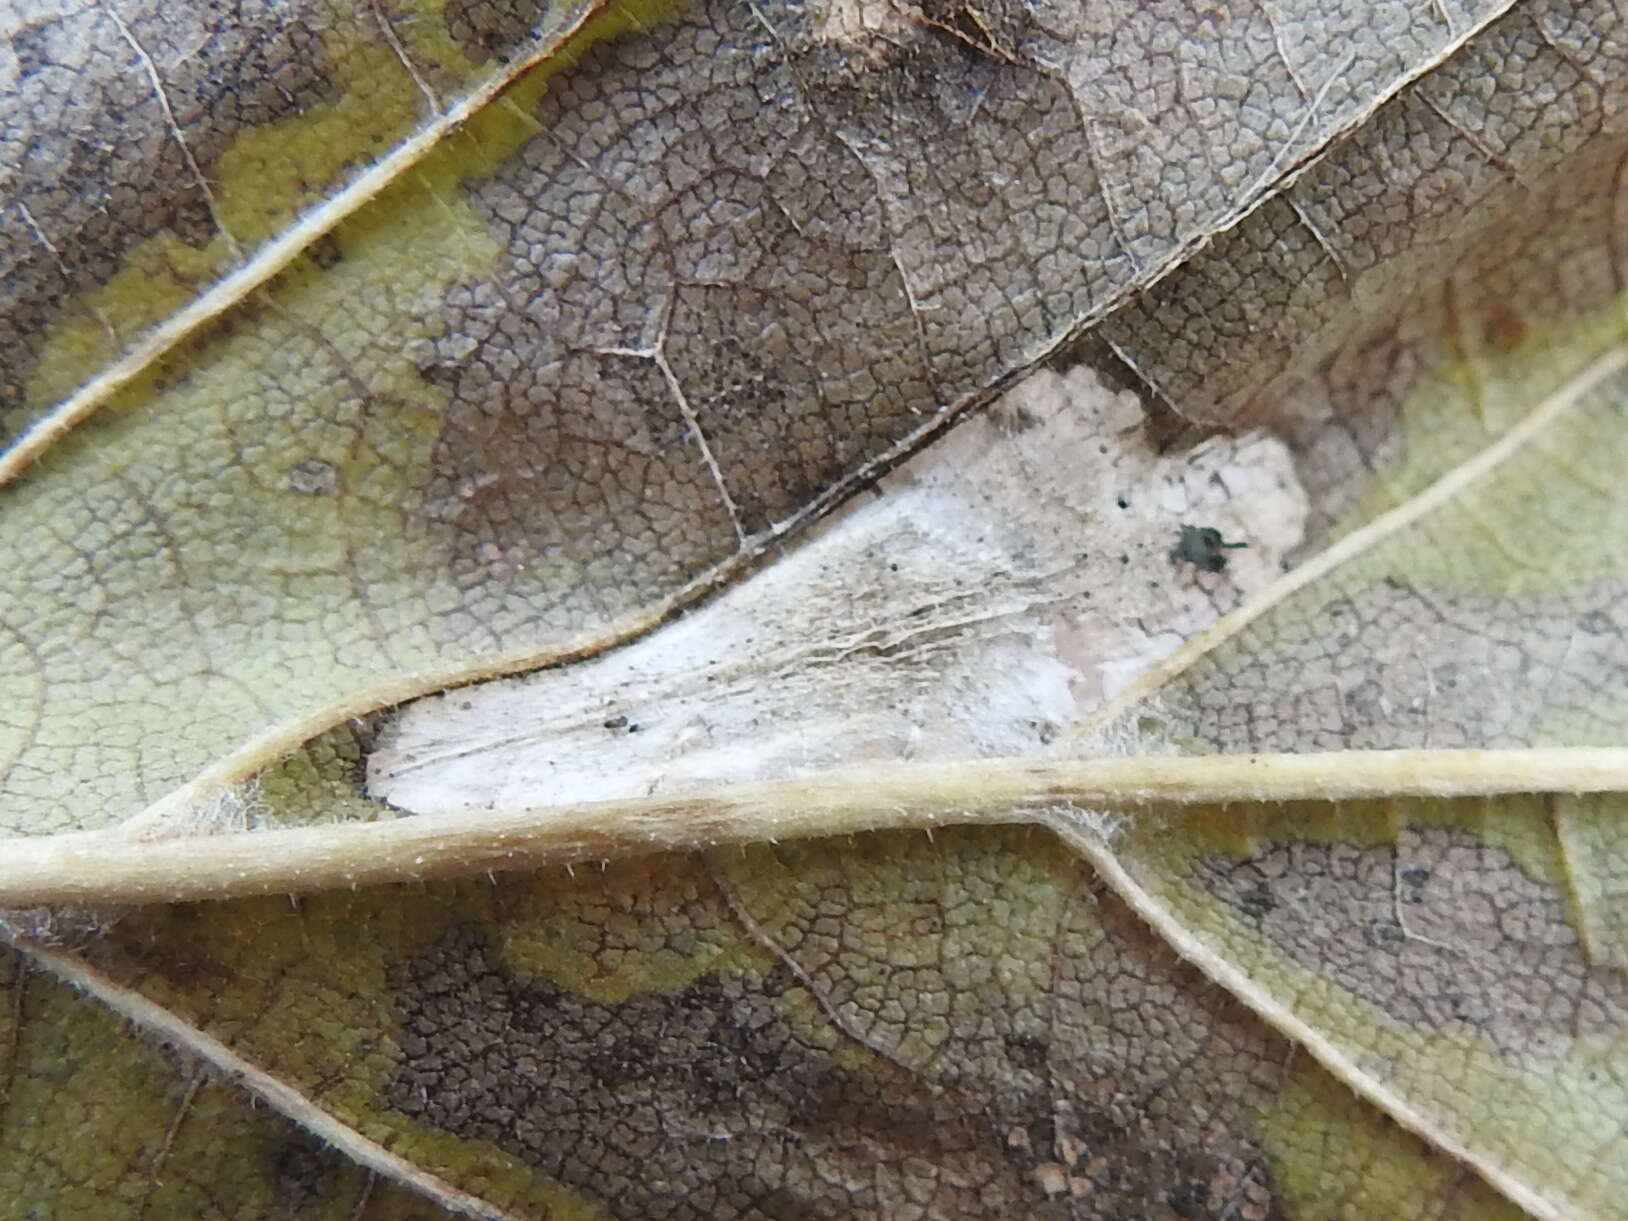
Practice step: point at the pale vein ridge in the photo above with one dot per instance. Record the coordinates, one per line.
(107, 867)
(1388, 524)
(169, 1029)
(277, 253)
(162, 96)
(1233, 979)
(1276, 181)
(700, 437)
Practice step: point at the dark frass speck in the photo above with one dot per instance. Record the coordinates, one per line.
(1203, 547)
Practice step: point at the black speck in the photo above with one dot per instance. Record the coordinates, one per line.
(1122, 502)
(1597, 624)
(1384, 934)
(325, 252)
(1258, 901)
(1203, 548)
(616, 722)
(633, 727)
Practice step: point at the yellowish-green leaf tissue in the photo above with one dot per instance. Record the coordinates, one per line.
(749, 610)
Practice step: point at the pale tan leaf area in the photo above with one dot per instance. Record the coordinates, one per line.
(867, 609)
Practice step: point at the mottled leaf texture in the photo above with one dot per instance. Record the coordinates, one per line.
(413, 414)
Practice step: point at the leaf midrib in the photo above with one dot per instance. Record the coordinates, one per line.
(107, 867)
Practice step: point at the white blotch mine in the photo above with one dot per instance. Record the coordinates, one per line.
(1006, 582)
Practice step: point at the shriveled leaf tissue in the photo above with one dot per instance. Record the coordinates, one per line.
(896, 609)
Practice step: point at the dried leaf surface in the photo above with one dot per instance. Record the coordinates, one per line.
(837, 1029)
(100, 1124)
(622, 332)
(606, 336)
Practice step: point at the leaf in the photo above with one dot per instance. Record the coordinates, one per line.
(114, 1126)
(735, 267)
(474, 469)
(252, 140)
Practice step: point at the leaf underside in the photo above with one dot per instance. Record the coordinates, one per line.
(1343, 281)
